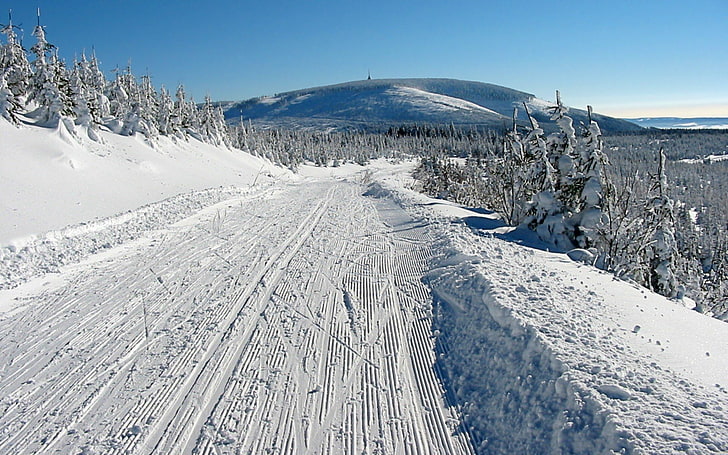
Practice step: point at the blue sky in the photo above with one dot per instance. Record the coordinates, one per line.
(626, 58)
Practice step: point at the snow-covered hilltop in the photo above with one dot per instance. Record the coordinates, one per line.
(379, 103)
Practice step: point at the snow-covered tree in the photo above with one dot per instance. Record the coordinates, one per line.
(87, 84)
(167, 121)
(212, 123)
(9, 106)
(540, 174)
(148, 107)
(14, 62)
(591, 200)
(557, 210)
(662, 253)
(49, 86)
(185, 111)
(96, 82)
(81, 93)
(118, 97)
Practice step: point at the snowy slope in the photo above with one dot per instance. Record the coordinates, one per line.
(387, 102)
(50, 178)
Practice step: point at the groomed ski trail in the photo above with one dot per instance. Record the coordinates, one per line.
(290, 321)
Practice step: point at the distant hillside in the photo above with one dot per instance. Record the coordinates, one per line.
(682, 122)
(380, 103)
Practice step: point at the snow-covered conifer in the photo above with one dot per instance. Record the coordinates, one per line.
(9, 107)
(81, 93)
(513, 171)
(591, 173)
(13, 62)
(562, 151)
(212, 123)
(96, 82)
(185, 112)
(49, 87)
(662, 253)
(540, 173)
(557, 209)
(118, 98)
(167, 121)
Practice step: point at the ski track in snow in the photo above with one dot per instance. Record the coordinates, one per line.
(294, 319)
(284, 321)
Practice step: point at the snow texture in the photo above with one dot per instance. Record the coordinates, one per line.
(338, 312)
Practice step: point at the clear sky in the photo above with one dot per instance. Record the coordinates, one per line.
(626, 58)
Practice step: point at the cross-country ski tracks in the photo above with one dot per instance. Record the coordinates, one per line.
(293, 322)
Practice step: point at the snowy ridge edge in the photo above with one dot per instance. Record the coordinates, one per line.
(518, 396)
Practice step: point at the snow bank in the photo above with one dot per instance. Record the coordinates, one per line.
(517, 396)
(52, 178)
(64, 197)
(548, 355)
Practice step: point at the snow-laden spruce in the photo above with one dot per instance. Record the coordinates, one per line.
(48, 93)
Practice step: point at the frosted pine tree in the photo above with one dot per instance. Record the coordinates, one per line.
(212, 123)
(87, 87)
(44, 83)
(540, 174)
(84, 99)
(185, 112)
(148, 107)
(562, 151)
(662, 252)
(13, 62)
(9, 106)
(510, 169)
(167, 121)
(559, 208)
(96, 82)
(591, 172)
(80, 94)
(119, 104)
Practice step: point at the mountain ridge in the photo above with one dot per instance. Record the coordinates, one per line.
(682, 122)
(381, 103)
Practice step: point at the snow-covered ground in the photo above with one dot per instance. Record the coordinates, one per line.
(51, 178)
(333, 312)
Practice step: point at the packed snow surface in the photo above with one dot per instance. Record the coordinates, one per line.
(337, 312)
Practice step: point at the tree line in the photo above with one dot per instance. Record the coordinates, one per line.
(39, 85)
